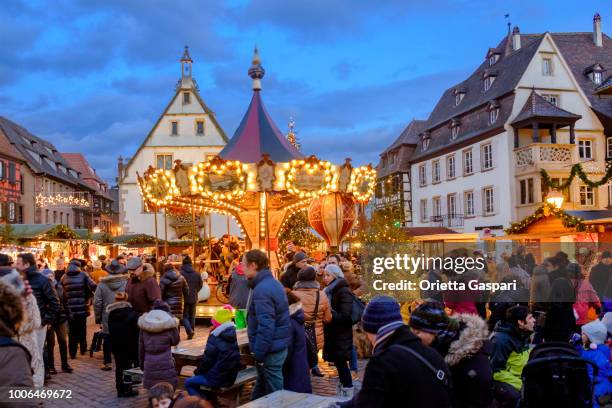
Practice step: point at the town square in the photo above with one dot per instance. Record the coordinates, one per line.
(305, 204)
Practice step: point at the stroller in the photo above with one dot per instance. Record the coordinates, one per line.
(556, 376)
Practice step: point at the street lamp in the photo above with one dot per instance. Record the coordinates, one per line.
(555, 198)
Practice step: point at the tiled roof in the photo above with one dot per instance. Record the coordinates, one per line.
(88, 175)
(41, 156)
(538, 107)
(7, 149)
(410, 135)
(580, 52)
(403, 147)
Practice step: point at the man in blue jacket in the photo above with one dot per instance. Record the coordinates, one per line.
(268, 323)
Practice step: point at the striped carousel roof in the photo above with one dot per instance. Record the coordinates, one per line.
(257, 133)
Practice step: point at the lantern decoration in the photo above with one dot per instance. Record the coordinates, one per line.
(158, 186)
(362, 183)
(219, 179)
(332, 216)
(310, 177)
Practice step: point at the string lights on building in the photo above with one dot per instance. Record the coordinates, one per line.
(71, 199)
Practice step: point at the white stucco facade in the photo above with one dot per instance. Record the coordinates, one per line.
(188, 131)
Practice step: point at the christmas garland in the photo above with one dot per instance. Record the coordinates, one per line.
(576, 170)
(545, 210)
(61, 231)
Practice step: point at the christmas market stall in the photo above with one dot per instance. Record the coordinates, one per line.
(260, 179)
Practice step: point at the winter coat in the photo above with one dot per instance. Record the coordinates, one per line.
(46, 296)
(268, 316)
(158, 334)
(468, 359)
(586, 297)
(63, 314)
(540, 289)
(599, 277)
(521, 275)
(142, 292)
(338, 333)
(560, 321)
(78, 289)
(174, 290)
(289, 278)
(98, 274)
(601, 357)
(15, 361)
(296, 373)
(105, 295)
(510, 352)
(28, 337)
(220, 362)
(194, 281)
(308, 297)
(123, 331)
(239, 290)
(395, 378)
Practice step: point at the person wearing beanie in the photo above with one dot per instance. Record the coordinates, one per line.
(393, 371)
(142, 287)
(97, 273)
(594, 335)
(78, 289)
(108, 286)
(158, 334)
(338, 334)
(194, 284)
(289, 278)
(315, 304)
(509, 354)
(123, 335)
(220, 362)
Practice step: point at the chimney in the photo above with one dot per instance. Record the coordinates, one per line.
(119, 168)
(597, 37)
(516, 38)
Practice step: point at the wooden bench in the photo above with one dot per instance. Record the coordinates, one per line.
(232, 393)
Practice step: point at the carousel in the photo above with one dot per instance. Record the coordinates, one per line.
(260, 179)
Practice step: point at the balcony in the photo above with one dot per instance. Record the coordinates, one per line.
(447, 220)
(548, 156)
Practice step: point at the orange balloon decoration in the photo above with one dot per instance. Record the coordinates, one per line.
(332, 216)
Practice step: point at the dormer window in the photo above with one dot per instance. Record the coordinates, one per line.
(595, 73)
(492, 56)
(488, 81)
(455, 126)
(493, 109)
(186, 98)
(425, 139)
(459, 94)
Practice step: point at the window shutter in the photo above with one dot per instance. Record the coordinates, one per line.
(11, 175)
(2, 170)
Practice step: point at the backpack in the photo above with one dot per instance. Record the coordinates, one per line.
(357, 308)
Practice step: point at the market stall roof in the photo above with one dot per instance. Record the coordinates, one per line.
(136, 240)
(591, 215)
(257, 133)
(37, 231)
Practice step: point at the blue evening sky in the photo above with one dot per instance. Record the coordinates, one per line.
(93, 76)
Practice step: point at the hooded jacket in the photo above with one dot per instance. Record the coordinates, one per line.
(238, 288)
(395, 378)
(174, 289)
(158, 334)
(143, 291)
(123, 332)
(308, 297)
(268, 316)
(510, 352)
(46, 296)
(194, 281)
(296, 373)
(601, 357)
(220, 362)
(599, 278)
(468, 359)
(339, 332)
(78, 288)
(105, 295)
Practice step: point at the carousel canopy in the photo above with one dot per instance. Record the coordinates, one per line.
(257, 133)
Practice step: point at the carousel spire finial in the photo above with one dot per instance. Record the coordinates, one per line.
(291, 135)
(256, 72)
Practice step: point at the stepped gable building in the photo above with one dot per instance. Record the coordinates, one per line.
(536, 101)
(187, 130)
(52, 191)
(102, 201)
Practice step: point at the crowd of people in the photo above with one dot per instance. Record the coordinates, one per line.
(445, 350)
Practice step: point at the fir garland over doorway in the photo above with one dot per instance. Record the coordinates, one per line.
(576, 170)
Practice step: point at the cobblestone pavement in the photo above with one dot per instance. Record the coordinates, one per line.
(91, 387)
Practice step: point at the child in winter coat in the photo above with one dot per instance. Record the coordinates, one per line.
(123, 334)
(221, 360)
(296, 375)
(158, 334)
(593, 338)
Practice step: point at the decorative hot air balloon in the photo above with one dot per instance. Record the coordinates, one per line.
(332, 216)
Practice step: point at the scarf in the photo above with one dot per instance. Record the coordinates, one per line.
(385, 332)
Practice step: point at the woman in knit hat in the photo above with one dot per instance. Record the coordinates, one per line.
(338, 334)
(394, 371)
(594, 336)
(308, 291)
